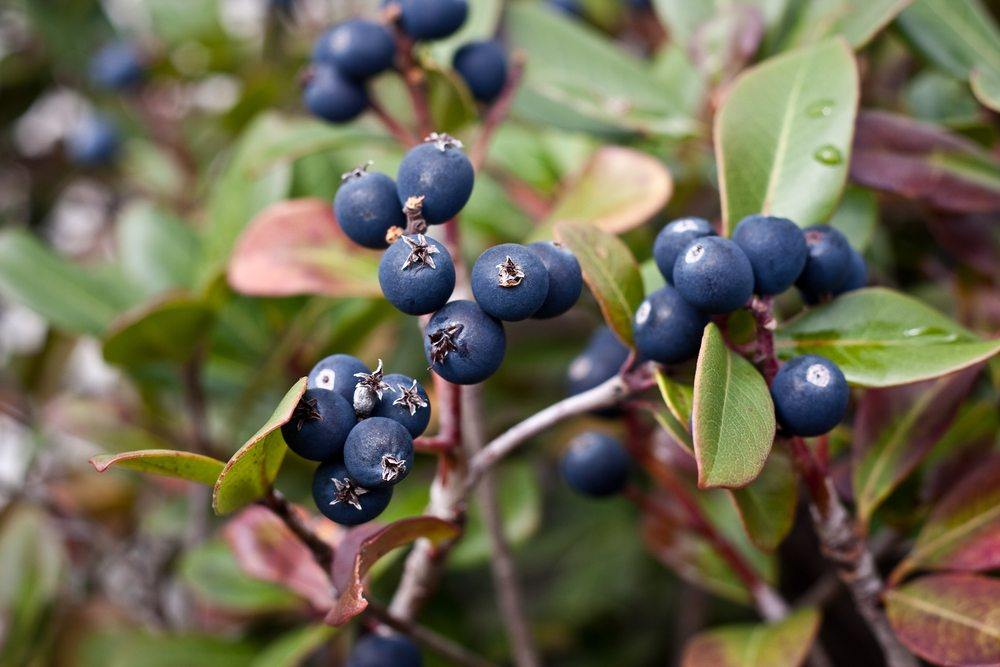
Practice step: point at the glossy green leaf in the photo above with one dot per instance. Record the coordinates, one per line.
(856, 216)
(167, 462)
(684, 18)
(156, 248)
(676, 419)
(171, 330)
(857, 21)
(294, 647)
(986, 87)
(956, 36)
(881, 338)
(785, 643)
(783, 135)
(767, 504)
(610, 271)
(733, 416)
(251, 470)
(948, 619)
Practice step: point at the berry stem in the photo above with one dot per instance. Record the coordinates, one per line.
(395, 128)
(414, 78)
(498, 111)
(322, 552)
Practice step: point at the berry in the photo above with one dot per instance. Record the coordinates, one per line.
(417, 274)
(565, 278)
(319, 425)
(332, 96)
(432, 19)
(828, 262)
(810, 395)
(713, 275)
(673, 238)
(568, 7)
(857, 274)
(667, 328)
(117, 66)
(378, 452)
(336, 373)
(359, 49)
(600, 361)
(510, 282)
(366, 207)
(463, 344)
(483, 66)
(94, 142)
(776, 248)
(596, 464)
(438, 171)
(342, 500)
(406, 402)
(394, 650)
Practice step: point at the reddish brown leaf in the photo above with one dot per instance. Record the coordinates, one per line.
(972, 239)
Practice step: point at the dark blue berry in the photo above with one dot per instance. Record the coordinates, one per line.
(332, 96)
(483, 66)
(463, 344)
(857, 274)
(713, 275)
(667, 328)
(510, 282)
(438, 171)
(600, 361)
(378, 452)
(94, 142)
(117, 66)
(673, 238)
(568, 7)
(336, 373)
(359, 49)
(596, 464)
(406, 402)
(432, 19)
(319, 425)
(828, 263)
(776, 248)
(366, 206)
(810, 395)
(565, 278)
(342, 500)
(417, 274)
(394, 650)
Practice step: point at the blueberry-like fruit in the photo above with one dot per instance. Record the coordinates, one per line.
(565, 278)
(393, 650)
(667, 328)
(713, 275)
(94, 142)
(857, 274)
(319, 425)
(359, 49)
(331, 96)
(342, 500)
(483, 66)
(117, 66)
(406, 402)
(776, 248)
(432, 19)
(599, 361)
(810, 395)
(463, 344)
(828, 263)
(378, 452)
(438, 171)
(417, 274)
(336, 373)
(673, 238)
(510, 282)
(366, 207)
(596, 464)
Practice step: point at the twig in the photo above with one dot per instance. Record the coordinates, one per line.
(413, 77)
(440, 644)
(395, 128)
(498, 111)
(322, 552)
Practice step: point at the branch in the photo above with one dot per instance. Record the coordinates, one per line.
(400, 133)
(322, 552)
(440, 644)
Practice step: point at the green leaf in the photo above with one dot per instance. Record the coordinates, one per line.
(767, 504)
(856, 216)
(733, 416)
(610, 271)
(683, 17)
(294, 647)
(881, 338)
(676, 419)
(785, 643)
(167, 462)
(215, 577)
(948, 619)
(857, 21)
(956, 36)
(783, 135)
(170, 330)
(249, 473)
(986, 87)
(157, 249)
(451, 104)
(120, 648)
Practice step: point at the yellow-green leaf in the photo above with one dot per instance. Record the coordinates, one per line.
(782, 644)
(167, 462)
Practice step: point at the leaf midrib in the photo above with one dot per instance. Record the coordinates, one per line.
(944, 613)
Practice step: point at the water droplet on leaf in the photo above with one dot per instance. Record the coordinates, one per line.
(828, 155)
(820, 109)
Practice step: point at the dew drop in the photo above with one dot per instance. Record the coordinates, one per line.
(820, 109)
(828, 154)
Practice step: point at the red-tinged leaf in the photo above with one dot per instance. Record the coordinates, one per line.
(266, 549)
(170, 463)
(972, 239)
(351, 601)
(782, 644)
(948, 619)
(296, 247)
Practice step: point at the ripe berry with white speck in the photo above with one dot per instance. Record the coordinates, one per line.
(319, 425)
(673, 238)
(358, 48)
(828, 263)
(510, 282)
(713, 275)
(438, 171)
(810, 395)
(483, 67)
(667, 328)
(331, 96)
(417, 274)
(463, 344)
(777, 251)
(565, 278)
(366, 207)
(596, 464)
(336, 373)
(406, 402)
(378, 452)
(342, 500)
(393, 650)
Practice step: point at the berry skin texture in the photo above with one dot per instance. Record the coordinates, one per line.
(378, 452)
(359, 49)
(336, 373)
(417, 274)
(94, 142)
(440, 173)
(117, 66)
(432, 19)
(406, 402)
(667, 328)
(713, 275)
(810, 395)
(510, 282)
(596, 464)
(599, 361)
(777, 251)
(394, 650)
(857, 274)
(332, 96)
(366, 206)
(342, 500)
(483, 66)
(565, 278)
(463, 344)
(673, 238)
(319, 425)
(828, 263)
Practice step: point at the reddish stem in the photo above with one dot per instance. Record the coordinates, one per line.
(498, 111)
(396, 129)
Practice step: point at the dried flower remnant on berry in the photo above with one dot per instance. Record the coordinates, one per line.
(443, 342)
(443, 141)
(373, 381)
(357, 172)
(509, 273)
(347, 492)
(420, 252)
(307, 410)
(392, 468)
(410, 398)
